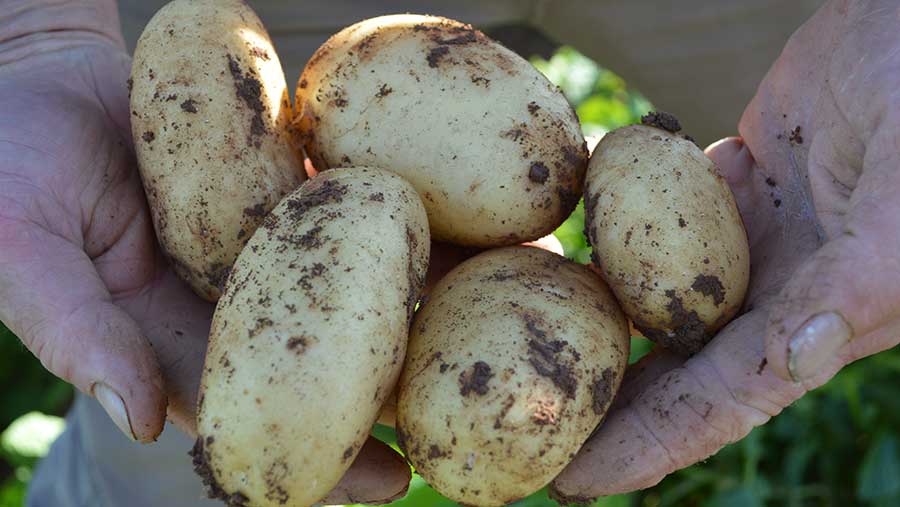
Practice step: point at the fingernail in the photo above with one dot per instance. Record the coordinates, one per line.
(816, 342)
(115, 408)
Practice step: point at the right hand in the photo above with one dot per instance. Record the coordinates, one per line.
(82, 279)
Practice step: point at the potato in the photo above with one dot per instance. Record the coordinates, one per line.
(309, 337)
(209, 116)
(511, 364)
(491, 145)
(666, 234)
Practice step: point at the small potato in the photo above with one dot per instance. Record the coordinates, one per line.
(209, 117)
(489, 143)
(666, 234)
(511, 364)
(309, 337)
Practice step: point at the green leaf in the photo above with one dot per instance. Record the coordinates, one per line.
(606, 112)
(640, 347)
(12, 493)
(571, 236)
(615, 501)
(421, 494)
(743, 496)
(879, 476)
(385, 433)
(30, 436)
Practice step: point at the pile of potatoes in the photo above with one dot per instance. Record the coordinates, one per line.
(423, 129)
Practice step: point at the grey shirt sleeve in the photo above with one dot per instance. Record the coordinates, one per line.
(92, 464)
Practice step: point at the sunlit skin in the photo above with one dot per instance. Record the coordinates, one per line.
(84, 286)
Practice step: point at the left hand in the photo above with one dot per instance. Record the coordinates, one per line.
(817, 180)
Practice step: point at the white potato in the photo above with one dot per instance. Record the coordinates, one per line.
(490, 144)
(210, 118)
(511, 364)
(666, 234)
(309, 337)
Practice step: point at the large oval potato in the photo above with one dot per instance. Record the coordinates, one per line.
(666, 234)
(209, 116)
(511, 364)
(309, 337)
(491, 145)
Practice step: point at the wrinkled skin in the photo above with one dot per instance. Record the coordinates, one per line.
(82, 280)
(830, 245)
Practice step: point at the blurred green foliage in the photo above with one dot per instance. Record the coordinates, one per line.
(25, 387)
(838, 446)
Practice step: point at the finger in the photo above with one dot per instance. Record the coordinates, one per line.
(748, 184)
(176, 322)
(378, 475)
(548, 243)
(735, 164)
(836, 302)
(388, 415)
(682, 417)
(311, 171)
(647, 370)
(52, 297)
(445, 257)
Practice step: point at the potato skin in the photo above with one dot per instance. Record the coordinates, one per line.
(490, 144)
(666, 234)
(309, 337)
(209, 117)
(511, 364)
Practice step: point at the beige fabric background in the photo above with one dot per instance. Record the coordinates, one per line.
(699, 59)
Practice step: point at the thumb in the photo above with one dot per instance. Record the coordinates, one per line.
(53, 299)
(844, 302)
(838, 307)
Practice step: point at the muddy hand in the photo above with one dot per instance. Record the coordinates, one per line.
(816, 178)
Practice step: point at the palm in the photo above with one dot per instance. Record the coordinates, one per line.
(820, 205)
(79, 203)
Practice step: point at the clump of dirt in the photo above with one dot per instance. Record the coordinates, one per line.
(475, 379)
(710, 285)
(189, 106)
(200, 458)
(661, 120)
(435, 55)
(249, 89)
(688, 333)
(546, 358)
(538, 172)
(327, 192)
(258, 210)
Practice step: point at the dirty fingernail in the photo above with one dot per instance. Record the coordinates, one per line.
(815, 343)
(114, 406)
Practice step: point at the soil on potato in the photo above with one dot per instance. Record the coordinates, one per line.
(475, 379)
(710, 285)
(249, 89)
(661, 120)
(688, 335)
(200, 457)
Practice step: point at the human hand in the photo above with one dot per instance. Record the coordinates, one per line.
(82, 281)
(817, 183)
